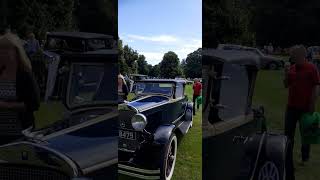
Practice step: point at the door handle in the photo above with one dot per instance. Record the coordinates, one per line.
(240, 139)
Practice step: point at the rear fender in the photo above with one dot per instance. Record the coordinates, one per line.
(276, 147)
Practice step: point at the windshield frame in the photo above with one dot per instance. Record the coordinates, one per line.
(158, 82)
(69, 104)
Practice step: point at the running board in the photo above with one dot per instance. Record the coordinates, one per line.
(185, 126)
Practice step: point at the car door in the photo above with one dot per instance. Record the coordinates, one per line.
(181, 99)
(226, 123)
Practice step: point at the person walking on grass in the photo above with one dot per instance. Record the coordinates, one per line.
(302, 80)
(197, 87)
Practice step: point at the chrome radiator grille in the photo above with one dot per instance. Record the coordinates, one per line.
(30, 173)
(125, 125)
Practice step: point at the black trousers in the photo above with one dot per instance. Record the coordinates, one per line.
(293, 115)
(194, 104)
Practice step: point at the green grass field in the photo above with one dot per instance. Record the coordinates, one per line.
(272, 95)
(189, 155)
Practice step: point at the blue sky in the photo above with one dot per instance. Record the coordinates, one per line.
(154, 27)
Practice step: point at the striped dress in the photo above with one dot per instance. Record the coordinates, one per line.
(9, 120)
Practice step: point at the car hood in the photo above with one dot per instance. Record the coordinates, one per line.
(88, 144)
(147, 102)
(31, 154)
(87, 152)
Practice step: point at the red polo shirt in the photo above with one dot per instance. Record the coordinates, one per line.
(197, 88)
(301, 81)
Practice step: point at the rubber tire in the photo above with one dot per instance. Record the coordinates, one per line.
(164, 156)
(280, 165)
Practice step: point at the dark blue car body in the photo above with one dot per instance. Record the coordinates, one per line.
(166, 115)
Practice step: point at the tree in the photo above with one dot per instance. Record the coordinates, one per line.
(41, 16)
(192, 66)
(170, 65)
(98, 16)
(155, 71)
(227, 21)
(142, 65)
(123, 67)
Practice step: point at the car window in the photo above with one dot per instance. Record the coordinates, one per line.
(211, 91)
(96, 44)
(92, 84)
(69, 44)
(179, 90)
(233, 92)
(226, 92)
(154, 88)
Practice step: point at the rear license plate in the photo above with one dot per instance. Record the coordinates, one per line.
(127, 134)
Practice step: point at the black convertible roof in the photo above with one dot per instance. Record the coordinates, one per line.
(82, 35)
(233, 56)
(163, 80)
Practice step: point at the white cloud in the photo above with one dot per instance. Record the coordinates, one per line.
(153, 48)
(158, 38)
(153, 57)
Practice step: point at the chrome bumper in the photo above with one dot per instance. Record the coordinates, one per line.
(138, 172)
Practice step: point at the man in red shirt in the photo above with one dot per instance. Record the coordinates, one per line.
(302, 80)
(197, 87)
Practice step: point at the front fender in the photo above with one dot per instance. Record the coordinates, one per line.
(162, 134)
(190, 105)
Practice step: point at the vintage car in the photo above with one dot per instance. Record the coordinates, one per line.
(80, 144)
(236, 143)
(266, 61)
(150, 126)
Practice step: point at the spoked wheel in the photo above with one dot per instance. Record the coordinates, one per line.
(269, 171)
(169, 158)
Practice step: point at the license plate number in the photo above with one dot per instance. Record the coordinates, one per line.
(127, 135)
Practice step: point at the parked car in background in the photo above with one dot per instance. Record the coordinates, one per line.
(150, 126)
(236, 143)
(82, 143)
(267, 61)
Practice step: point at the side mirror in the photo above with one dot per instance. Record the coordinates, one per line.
(260, 118)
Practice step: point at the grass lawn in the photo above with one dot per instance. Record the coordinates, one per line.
(189, 156)
(48, 113)
(272, 95)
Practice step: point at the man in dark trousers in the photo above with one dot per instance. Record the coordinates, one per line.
(197, 87)
(302, 80)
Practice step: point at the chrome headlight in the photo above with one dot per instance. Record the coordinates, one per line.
(139, 122)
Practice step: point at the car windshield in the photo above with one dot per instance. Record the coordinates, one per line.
(69, 44)
(92, 84)
(97, 44)
(154, 88)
